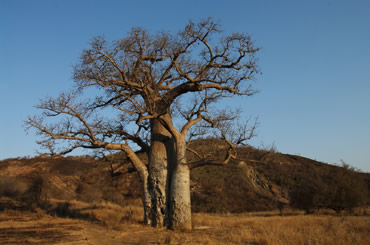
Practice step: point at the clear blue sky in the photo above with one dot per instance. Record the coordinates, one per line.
(315, 86)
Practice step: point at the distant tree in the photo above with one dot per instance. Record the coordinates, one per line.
(339, 188)
(307, 195)
(346, 189)
(162, 89)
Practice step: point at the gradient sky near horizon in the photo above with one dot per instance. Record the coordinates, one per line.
(315, 64)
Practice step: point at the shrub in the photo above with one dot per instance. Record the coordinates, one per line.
(338, 189)
(63, 209)
(346, 189)
(35, 194)
(12, 187)
(307, 195)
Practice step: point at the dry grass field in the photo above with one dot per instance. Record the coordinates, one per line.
(106, 223)
(80, 202)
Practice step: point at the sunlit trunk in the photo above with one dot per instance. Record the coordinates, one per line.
(180, 205)
(147, 202)
(158, 186)
(143, 176)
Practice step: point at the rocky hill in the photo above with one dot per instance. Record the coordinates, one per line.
(257, 180)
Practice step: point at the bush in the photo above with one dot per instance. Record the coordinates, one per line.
(307, 192)
(35, 195)
(63, 209)
(306, 196)
(346, 189)
(12, 187)
(338, 189)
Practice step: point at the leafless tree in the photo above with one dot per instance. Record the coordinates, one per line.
(164, 90)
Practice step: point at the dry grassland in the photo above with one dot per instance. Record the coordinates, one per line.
(106, 223)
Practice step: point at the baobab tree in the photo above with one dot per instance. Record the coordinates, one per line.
(164, 90)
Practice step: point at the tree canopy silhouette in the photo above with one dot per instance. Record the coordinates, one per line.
(154, 93)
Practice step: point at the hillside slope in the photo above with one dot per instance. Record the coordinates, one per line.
(257, 180)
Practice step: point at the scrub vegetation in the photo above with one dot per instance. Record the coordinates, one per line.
(252, 200)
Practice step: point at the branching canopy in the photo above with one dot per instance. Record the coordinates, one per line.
(146, 76)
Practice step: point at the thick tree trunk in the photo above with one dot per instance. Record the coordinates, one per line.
(180, 205)
(161, 152)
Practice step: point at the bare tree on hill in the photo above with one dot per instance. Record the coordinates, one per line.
(163, 91)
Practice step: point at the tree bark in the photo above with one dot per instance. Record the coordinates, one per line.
(147, 203)
(180, 204)
(160, 162)
(143, 176)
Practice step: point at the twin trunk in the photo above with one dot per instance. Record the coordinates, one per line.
(168, 182)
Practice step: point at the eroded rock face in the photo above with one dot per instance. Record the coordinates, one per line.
(263, 185)
(256, 179)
